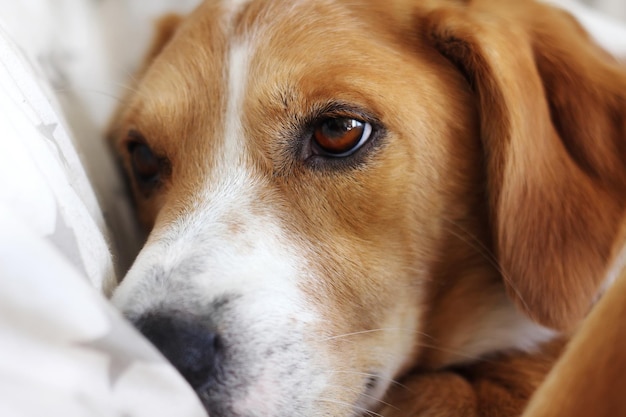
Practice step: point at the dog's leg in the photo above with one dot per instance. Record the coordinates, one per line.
(496, 387)
(438, 394)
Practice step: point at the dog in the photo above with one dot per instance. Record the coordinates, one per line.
(357, 208)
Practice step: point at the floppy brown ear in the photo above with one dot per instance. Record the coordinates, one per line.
(553, 126)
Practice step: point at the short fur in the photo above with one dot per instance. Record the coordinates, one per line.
(446, 255)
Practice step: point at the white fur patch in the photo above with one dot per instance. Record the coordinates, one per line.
(502, 328)
(237, 73)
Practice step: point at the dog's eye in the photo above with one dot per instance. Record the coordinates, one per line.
(145, 164)
(340, 137)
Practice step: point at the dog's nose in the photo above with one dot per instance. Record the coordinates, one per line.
(193, 349)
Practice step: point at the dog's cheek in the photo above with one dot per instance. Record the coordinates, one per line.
(370, 322)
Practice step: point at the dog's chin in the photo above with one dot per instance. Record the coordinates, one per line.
(269, 398)
(277, 386)
(266, 398)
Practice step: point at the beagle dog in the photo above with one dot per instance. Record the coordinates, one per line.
(366, 208)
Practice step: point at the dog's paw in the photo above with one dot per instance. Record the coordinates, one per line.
(440, 394)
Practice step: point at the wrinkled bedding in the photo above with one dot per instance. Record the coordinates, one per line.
(64, 351)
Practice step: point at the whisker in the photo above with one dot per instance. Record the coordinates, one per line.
(381, 329)
(483, 250)
(458, 353)
(131, 75)
(117, 85)
(87, 90)
(368, 374)
(351, 406)
(362, 394)
(127, 87)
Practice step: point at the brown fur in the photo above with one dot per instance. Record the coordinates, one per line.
(589, 379)
(556, 173)
(498, 386)
(503, 167)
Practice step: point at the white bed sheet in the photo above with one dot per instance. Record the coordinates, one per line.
(64, 351)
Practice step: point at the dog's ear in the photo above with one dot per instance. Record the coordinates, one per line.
(553, 126)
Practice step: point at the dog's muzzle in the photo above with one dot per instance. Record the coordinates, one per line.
(230, 312)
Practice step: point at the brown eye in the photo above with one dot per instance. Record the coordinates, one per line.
(340, 137)
(145, 164)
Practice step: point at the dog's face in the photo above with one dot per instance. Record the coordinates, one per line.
(312, 177)
(300, 201)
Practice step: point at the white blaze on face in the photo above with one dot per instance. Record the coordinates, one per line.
(228, 260)
(234, 142)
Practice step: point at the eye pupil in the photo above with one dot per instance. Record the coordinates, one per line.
(337, 128)
(340, 136)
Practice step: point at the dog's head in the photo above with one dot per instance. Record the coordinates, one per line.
(339, 190)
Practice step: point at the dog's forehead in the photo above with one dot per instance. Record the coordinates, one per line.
(244, 62)
(230, 95)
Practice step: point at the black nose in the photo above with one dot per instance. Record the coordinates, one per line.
(193, 349)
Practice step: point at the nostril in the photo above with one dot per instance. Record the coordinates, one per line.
(192, 348)
(198, 358)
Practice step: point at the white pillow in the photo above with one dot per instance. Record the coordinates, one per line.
(64, 351)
